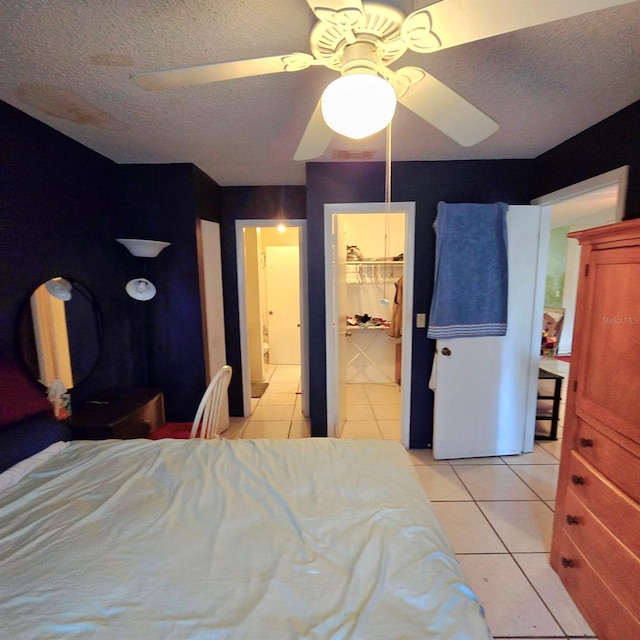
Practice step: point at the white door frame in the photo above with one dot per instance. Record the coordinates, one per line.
(332, 331)
(619, 177)
(242, 309)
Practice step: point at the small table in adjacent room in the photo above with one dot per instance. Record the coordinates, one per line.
(118, 413)
(548, 404)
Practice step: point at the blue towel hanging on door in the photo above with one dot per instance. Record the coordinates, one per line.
(471, 281)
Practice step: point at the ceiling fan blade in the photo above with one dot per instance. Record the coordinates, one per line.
(215, 72)
(442, 107)
(453, 22)
(316, 137)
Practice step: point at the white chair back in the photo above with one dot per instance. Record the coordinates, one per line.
(205, 424)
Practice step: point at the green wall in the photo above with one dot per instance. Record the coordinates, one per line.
(556, 265)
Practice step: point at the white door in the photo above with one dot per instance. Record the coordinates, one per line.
(211, 281)
(283, 304)
(485, 389)
(340, 307)
(336, 294)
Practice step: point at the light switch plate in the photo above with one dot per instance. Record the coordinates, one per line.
(421, 320)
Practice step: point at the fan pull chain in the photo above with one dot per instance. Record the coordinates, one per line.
(387, 184)
(387, 200)
(386, 277)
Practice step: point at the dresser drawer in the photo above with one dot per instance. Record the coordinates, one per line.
(606, 615)
(613, 461)
(616, 565)
(613, 508)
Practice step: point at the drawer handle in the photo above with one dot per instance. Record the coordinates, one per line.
(572, 520)
(568, 563)
(577, 479)
(586, 442)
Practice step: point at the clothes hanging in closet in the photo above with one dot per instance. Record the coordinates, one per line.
(396, 319)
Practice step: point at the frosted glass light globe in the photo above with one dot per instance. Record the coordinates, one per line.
(358, 105)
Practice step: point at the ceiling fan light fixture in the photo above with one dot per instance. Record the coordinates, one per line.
(358, 105)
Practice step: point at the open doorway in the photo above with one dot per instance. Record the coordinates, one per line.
(591, 203)
(272, 308)
(369, 289)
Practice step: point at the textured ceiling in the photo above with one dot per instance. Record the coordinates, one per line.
(68, 63)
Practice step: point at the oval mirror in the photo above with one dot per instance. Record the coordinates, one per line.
(59, 332)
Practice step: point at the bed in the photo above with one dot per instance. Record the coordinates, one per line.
(314, 538)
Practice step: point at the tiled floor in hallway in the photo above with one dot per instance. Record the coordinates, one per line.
(497, 512)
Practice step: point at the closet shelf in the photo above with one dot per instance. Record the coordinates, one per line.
(376, 262)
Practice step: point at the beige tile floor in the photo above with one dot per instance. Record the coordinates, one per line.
(497, 512)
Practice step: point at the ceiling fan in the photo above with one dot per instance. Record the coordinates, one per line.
(359, 38)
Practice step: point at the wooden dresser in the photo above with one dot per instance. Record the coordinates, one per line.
(596, 536)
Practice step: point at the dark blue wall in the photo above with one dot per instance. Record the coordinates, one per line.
(62, 208)
(425, 183)
(57, 218)
(608, 145)
(164, 202)
(63, 205)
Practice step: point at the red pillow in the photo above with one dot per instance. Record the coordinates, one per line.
(20, 398)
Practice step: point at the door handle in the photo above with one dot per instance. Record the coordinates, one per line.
(445, 351)
(347, 333)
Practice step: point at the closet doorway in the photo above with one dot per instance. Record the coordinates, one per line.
(368, 289)
(271, 260)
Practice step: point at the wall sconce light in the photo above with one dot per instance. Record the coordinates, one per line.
(141, 288)
(143, 248)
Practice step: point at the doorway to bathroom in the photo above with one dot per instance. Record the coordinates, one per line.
(271, 262)
(368, 296)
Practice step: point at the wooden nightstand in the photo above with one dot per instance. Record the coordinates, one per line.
(118, 413)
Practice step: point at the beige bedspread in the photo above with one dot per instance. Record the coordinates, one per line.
(259, 539)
